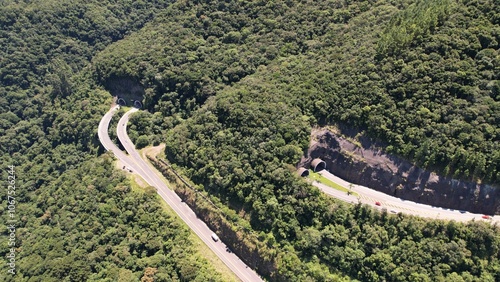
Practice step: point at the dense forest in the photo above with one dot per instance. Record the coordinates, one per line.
(233, 88)
(432, 95)
(77, 218)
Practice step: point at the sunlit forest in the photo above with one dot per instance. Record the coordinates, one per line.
(233, 88)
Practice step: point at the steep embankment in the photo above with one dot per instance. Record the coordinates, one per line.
(364, 163)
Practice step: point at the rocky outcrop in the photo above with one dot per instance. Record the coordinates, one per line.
(364, 164)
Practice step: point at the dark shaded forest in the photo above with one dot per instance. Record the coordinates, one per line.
(233, 89)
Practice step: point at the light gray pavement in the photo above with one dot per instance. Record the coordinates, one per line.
(370, 197)
(365, 195)
(108, 144)
(140, 167)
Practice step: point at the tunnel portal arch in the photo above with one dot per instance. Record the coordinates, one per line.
(318, 165)
(303, 172)
(121, 102)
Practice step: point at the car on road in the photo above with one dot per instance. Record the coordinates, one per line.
(378, 204)
(215, 237)
(486, 216)
(394, 211)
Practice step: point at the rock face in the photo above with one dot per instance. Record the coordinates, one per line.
(364, 164)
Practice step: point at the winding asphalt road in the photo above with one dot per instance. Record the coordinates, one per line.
(368, 196)
(139, 166)
(392, 204)
(108, 144)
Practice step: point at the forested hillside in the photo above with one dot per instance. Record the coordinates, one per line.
(422, 77)
(240, 83)
(77, 218)
(233, 89)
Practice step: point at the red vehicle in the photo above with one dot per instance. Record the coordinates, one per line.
(486, 216)
(378, 204)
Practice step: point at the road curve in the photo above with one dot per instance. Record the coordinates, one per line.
(392, 204)
(108, 144)
(140, 166)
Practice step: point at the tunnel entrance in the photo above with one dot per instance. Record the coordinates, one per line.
(318, 165)
(303, 172)
(137, 104)
(121, 102)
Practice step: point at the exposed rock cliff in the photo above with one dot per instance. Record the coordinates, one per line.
(364, 164)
